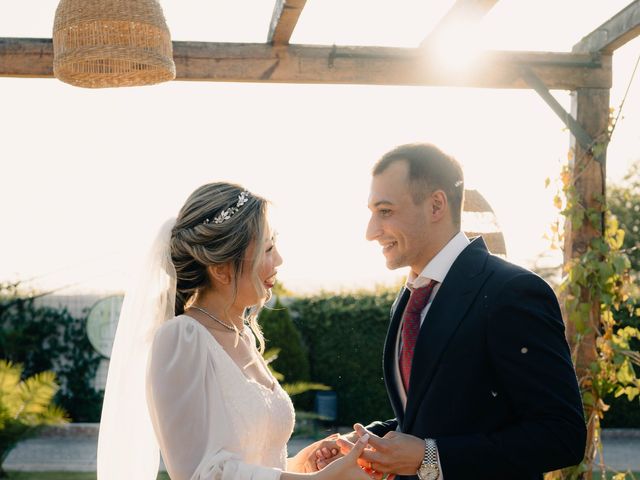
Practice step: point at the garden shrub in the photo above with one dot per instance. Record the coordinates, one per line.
(345, 334)
(44, 338)
(281, 333)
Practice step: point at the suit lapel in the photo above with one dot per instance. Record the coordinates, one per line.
(455, 296)
(389, 354)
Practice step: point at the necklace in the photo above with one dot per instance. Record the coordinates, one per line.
(224, 324)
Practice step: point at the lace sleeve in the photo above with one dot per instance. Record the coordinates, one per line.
(188, 411)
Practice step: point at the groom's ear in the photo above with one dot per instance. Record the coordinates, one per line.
(220, 274)
(439, 204)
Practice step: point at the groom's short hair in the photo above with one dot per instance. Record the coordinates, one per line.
(430, 169)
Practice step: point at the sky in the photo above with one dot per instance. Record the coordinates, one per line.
(87, 176)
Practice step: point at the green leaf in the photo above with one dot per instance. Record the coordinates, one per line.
(625, 373)
(9, 376)
(588, 399)
(619, 392)
(37, 391)
(301, 387)
(271, 355)
(27, 405)
(277, 375)
(605, 271)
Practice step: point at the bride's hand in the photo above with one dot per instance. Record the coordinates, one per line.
(346, 468)
(305, 460)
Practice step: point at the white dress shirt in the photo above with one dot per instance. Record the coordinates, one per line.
(437, 270)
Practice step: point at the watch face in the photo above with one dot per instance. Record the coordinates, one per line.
(428, 472)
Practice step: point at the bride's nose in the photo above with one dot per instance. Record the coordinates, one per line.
(278, 258)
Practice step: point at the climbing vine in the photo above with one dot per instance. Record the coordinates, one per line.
(596, 290)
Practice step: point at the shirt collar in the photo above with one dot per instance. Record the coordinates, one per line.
(439, 265)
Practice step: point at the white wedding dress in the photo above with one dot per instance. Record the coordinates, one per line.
(211, 421)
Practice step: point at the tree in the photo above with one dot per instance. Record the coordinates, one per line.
(624, 203)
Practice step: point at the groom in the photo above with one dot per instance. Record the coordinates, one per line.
(476, 364)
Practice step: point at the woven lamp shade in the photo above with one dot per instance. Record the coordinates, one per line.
(111, 43)
(479, 219)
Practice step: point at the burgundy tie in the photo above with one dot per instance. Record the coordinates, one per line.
(411, 327)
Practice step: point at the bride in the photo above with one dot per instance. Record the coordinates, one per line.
(186, 375)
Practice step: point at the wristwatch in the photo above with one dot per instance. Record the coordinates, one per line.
(429, 467)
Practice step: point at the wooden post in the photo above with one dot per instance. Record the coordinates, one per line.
(590, 107)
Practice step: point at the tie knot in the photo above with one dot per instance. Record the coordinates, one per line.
(420, 297)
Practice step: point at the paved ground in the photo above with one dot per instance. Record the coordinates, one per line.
(78, 453)
(66, 453)
(622, 449)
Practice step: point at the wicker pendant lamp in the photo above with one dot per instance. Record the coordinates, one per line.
(111, 43)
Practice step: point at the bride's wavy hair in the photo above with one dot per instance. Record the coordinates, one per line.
(198, 242)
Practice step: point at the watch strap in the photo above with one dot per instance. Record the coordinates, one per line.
(430, 452)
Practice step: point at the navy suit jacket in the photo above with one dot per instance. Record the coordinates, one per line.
(492, 379)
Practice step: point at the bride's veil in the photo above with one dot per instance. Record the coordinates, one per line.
(127, 447)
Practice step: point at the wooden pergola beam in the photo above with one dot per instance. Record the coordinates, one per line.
(581, 136)
(462, 12)
(229, 62)
(284, 20)
(614, 33)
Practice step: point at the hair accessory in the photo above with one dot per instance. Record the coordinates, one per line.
(227, 213)
(458, 183)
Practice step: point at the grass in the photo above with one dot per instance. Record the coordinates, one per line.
(62, 476)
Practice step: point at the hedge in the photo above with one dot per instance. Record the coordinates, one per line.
(345, 336)
(293, 360)
(334, 339)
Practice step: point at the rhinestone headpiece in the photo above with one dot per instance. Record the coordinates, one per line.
(227, 213)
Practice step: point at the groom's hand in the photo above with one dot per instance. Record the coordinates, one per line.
(396, 452)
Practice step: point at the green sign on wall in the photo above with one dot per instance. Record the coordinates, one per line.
(102, 322)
